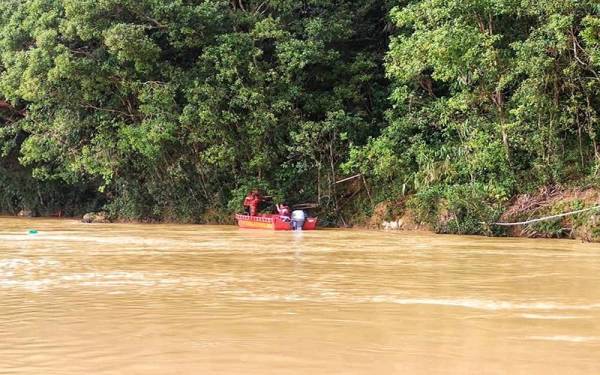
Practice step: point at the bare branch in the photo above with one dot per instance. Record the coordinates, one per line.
(130, 115)
(259, 9)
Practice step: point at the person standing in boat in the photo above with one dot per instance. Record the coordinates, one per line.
(247, 203)
(298, 217)
(252, 202)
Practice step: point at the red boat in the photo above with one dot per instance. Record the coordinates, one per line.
(273, 222)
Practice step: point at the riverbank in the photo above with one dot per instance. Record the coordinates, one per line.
(545, 203)
(408, 214)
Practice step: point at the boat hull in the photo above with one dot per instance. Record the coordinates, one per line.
(271, 222)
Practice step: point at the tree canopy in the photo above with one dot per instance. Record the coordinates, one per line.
(171, 109)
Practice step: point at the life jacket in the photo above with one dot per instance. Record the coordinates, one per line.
(248, 201)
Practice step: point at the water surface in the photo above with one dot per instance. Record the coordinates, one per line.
(173, 299)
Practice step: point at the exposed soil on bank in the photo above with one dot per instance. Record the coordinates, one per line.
(546, 202)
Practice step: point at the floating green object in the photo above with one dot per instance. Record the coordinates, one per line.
(32, 231)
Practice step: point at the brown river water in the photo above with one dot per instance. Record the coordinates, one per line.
(183, 299)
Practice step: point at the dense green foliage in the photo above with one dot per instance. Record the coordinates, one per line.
(490, 98)
(172, 109)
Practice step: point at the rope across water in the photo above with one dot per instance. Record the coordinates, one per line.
(547, 217)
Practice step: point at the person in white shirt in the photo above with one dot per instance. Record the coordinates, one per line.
(298, 217)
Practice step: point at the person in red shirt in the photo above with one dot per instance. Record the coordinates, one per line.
(248, 201)
(252, 202)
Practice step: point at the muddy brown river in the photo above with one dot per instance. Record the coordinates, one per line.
(176, 299)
